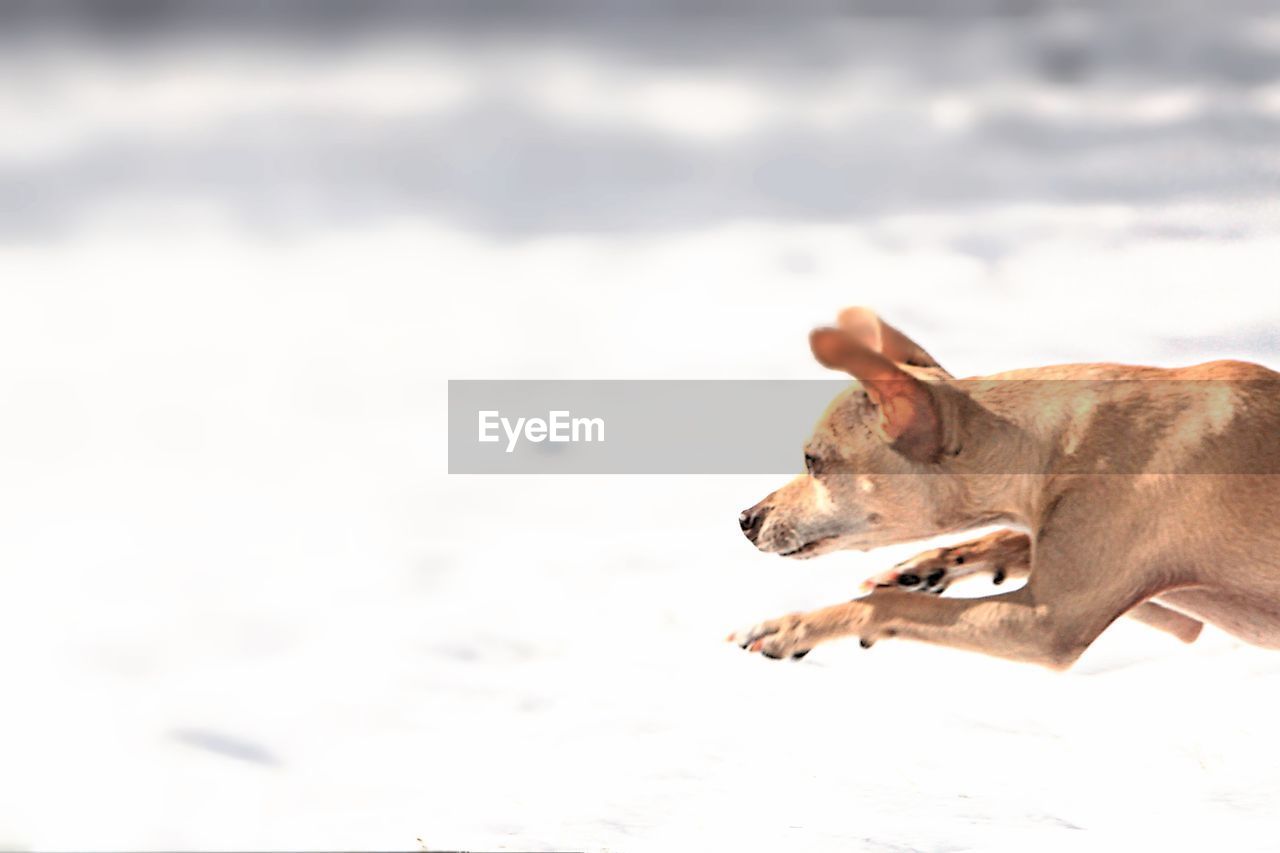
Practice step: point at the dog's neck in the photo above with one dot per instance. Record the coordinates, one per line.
(998, 464)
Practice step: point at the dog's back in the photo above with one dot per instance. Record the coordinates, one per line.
(1185, 459)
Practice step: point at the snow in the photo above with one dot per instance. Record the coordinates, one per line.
(245, 606)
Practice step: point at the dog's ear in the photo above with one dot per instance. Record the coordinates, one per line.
(909, 415)
(866, 327)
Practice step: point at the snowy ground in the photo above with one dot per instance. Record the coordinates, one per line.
(244, 605)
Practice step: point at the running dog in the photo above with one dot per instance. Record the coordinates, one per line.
(1127, 483)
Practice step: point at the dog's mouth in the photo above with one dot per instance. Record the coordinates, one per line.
(808, 549)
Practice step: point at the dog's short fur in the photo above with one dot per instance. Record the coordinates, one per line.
(1130, 490)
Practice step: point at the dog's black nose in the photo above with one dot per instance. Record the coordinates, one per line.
(751, 519)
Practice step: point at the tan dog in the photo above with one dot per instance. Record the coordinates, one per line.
(1133, 482)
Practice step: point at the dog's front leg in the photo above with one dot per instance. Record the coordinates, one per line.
(1002, 554)
(1005, 554)
(1013, 625)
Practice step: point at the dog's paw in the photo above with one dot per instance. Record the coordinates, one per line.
(787, 637)
(934, 571)
(923, 578)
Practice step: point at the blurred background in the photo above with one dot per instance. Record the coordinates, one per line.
(243, 246)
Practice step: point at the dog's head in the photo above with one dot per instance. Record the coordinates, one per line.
(876, 465)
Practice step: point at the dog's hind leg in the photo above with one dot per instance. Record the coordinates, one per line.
(1166, 619)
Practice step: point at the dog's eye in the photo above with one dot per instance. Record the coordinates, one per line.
(811, 464)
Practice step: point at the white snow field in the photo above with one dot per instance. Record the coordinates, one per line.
(245, 607)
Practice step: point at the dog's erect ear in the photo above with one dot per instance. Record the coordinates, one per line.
(909, 414)
(866, 327)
